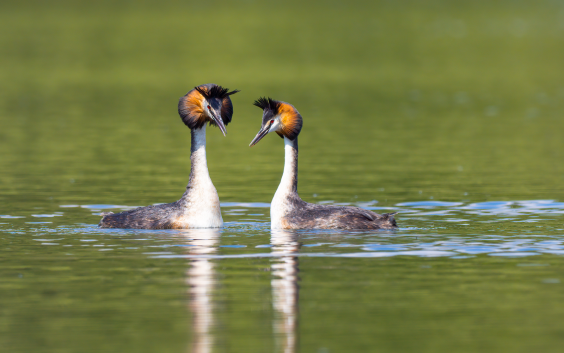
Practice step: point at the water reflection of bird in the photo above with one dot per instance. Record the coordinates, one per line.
(285, 289)
(199, 206)
(288, 210)
(201, 280)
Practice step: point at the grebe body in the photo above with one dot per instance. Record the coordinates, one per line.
(199, 206)
(288, 210)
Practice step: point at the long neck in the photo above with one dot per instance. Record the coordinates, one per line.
(199, 205)
(199, 164)
(289, 182)
(199, 175)
(286, 196)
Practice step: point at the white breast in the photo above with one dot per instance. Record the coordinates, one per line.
(203, 209)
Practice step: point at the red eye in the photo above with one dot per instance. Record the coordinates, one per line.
(209, 108)
(272, 121)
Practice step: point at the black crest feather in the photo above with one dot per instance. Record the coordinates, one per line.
(193, 116)
(215, 91)
(267, 103)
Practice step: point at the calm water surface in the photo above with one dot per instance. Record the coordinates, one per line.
(455, 276)
(449, 113)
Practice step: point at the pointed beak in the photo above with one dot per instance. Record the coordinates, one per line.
(262, 133)
(217, 118)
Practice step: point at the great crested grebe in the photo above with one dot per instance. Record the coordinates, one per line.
(288, 210)
(199, 206)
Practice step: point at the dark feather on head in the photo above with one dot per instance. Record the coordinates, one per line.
(210, 91)
(192, 112)
(267, 103)
(290, 120)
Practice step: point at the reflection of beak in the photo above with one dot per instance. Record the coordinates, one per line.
(262, 133)
(218, 121)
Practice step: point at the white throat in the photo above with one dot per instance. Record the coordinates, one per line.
(280, 205)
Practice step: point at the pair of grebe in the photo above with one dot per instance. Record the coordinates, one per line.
(199, 206)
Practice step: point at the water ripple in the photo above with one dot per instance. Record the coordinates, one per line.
(455, 230)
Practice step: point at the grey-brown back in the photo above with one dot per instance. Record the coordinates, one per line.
(161, 216)
(312, 216)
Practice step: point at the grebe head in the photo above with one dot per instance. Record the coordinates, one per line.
(279, 117)
(206, 103)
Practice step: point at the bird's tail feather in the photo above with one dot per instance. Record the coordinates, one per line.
(390, 218)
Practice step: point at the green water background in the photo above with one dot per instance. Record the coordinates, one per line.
(402, 101)
(443, 97)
